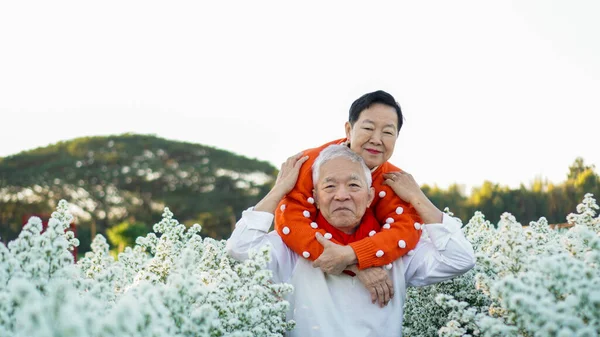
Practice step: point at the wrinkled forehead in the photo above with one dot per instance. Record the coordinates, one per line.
(343, 178)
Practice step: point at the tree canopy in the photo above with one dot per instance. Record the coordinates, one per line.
(124, 182)
(113, 179)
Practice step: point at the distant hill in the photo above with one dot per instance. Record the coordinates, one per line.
(130, 178)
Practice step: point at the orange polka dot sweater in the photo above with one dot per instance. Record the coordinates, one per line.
(401, 225)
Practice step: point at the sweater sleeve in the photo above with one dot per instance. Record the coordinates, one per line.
(401, 226)
(296, 213)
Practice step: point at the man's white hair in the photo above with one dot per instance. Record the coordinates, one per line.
(337, 151)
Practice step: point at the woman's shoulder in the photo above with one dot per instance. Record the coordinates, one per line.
(318, 149)
(387, 167)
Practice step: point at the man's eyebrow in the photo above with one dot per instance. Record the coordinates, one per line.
(329, 179)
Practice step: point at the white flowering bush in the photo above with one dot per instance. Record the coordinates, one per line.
(528, 281)
(171, 283)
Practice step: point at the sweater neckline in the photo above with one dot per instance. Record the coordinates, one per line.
(367, 224)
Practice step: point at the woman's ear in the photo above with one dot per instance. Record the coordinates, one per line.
(316, 199)
(348, 128)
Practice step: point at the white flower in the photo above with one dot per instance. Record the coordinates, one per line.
(527, 281)
(171, 284)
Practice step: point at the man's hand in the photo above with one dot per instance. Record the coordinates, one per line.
(378, 282)
(335, 258)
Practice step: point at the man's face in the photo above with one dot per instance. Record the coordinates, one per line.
(374, 134)
(341, 193)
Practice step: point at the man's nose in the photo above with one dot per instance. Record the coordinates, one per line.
(342, 194)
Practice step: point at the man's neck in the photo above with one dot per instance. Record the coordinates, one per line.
(348, 230)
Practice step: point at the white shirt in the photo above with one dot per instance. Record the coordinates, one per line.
(326, 305)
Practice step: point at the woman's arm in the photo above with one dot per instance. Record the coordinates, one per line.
(405, 186)
(296, 213)
(401, 225)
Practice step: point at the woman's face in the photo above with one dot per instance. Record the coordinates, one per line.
(373, 136)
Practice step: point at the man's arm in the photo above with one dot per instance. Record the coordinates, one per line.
(251, 231)
(286, 180)
(251, 234)
(446, 254)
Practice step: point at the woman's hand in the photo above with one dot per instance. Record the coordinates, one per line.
(286, 179)
(288, 174)
(404, 185)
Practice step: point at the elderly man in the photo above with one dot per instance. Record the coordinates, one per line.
(338, 305)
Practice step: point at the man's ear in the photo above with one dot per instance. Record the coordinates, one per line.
(348, 128)
(371, 195)
(315, 198)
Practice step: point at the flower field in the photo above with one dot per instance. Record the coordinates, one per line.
(528, 281)
(171, 283)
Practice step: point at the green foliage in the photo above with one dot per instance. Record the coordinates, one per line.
(124, 234)
(112, 179)
(130, 178)
(529, 204)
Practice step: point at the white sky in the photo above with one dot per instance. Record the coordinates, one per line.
(502, 91)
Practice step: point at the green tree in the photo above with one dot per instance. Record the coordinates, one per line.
(131, 178)
(124, 234)
(577, 168)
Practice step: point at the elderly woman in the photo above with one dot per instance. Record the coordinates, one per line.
(374, 122)
(336, 305)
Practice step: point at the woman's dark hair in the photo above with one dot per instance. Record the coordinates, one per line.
(367, 100)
